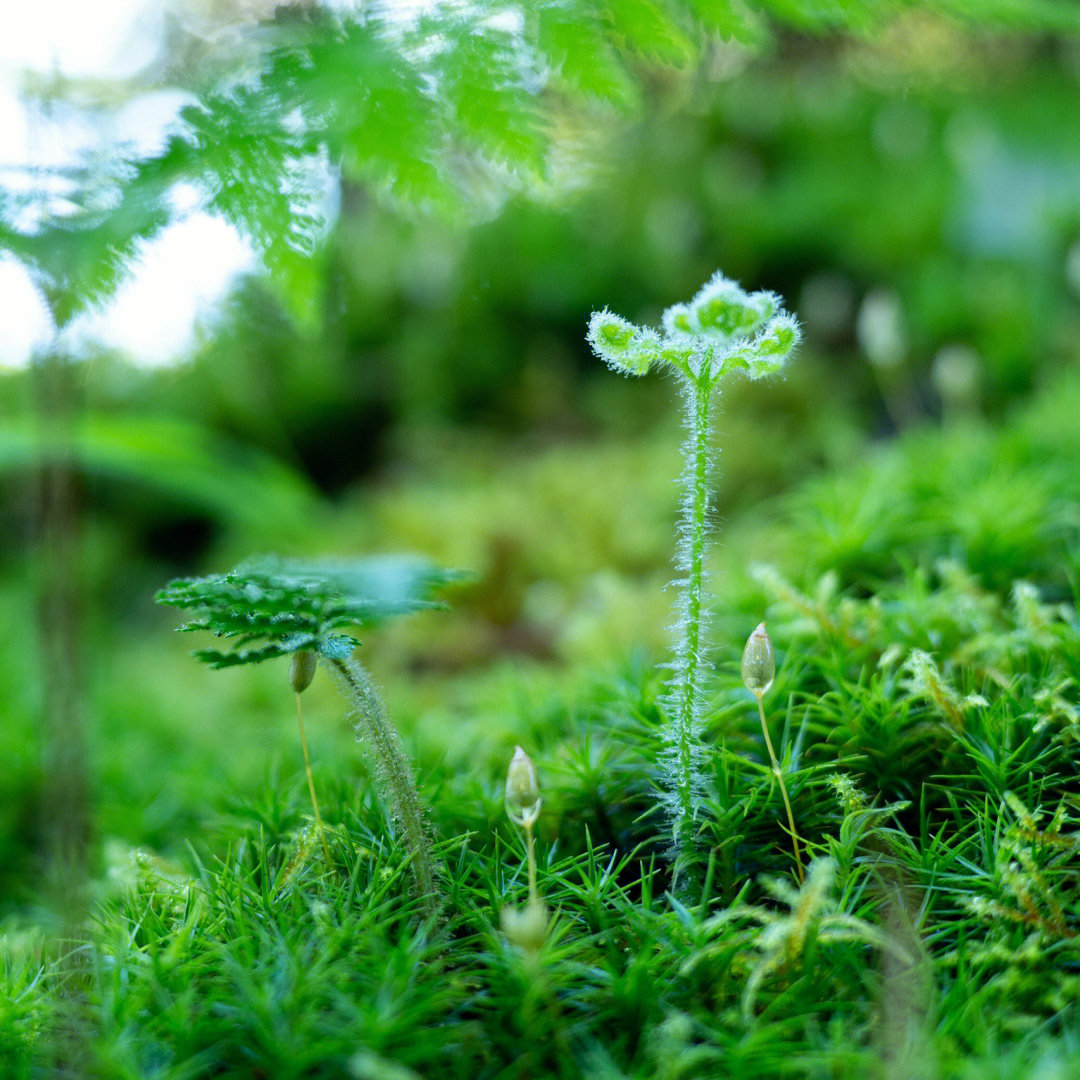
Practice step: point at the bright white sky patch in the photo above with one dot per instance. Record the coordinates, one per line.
(111, 40)
(177, 277)
(25, 323)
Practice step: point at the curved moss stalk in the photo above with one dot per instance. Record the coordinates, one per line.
(393, 772)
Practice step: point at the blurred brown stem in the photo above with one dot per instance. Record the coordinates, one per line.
(311, 781)
(65, 812)
(65, 804)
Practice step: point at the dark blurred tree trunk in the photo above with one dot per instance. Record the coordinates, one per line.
(65, 818)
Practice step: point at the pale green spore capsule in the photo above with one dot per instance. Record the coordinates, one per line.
(526, 928)
(302, 670)
(758, 662)
(522, 789)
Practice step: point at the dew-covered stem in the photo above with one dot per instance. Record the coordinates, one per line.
(393, 772)
(722, 330)
(684, 736)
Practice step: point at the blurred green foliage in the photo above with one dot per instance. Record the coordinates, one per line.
(438, 220)
(925, 162)
(424, 363)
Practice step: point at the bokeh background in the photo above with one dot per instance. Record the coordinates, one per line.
(401, 364)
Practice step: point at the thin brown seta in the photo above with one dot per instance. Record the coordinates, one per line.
(311, 780)
(783, 788)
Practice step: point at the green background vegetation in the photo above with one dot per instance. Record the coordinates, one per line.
(419, 381)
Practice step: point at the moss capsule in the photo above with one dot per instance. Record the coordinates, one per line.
(302, 670)
(758, 662)
(522, 789)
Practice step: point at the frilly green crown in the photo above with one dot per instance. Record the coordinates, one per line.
(722, 325)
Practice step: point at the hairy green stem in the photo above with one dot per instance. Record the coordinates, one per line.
(685, 735)
(393, 772)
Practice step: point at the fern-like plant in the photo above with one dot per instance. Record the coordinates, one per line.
(722, 330)
(274, 607)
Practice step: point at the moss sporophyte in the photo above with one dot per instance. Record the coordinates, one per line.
(527, 927)
(722, 330)
(758, 673)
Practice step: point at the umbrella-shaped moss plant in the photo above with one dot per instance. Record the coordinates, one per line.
(722, 330)
(275, 607)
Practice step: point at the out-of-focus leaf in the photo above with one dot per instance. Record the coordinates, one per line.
(80, 258)
(273, 606)
(729, 19)
(650, 29)
(482, 83)
(185, 461)
(578, 49)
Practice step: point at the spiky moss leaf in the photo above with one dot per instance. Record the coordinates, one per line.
(273, 607)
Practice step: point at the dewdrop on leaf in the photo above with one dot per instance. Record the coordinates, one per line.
(522, 790)
(302, 670)
(758, 662)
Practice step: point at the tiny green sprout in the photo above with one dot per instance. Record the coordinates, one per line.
(526, 928)
(623, 346)
(758, 673)
(284, 607)
(722, 330)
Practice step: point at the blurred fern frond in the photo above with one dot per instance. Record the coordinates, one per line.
(272, 606)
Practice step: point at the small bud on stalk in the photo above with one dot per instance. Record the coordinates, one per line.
(302, 670)
(528, 927)
(758, 662)
(522, 790)
(758, 673)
